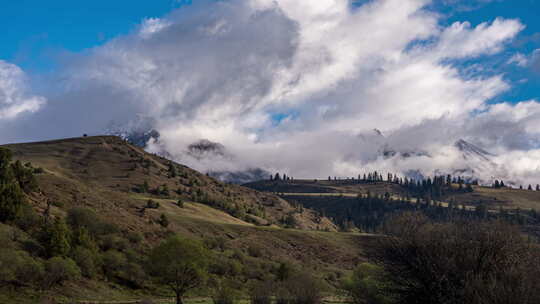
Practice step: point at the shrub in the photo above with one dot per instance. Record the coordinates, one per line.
(261, 293)
(468, 262)
(151, 204)
(163, 220)
(112, 241)
(134, 237)
(19, 269)
(225, 294)
(87, 260)
(83, 217)
(59, 270)
(113, 263)
(255, 251)
(284, 271)
(135, 275)
(368, 285)
(304, 289)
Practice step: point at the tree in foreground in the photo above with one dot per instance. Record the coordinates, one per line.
(368, 285)
(180, 264)
(487, 262)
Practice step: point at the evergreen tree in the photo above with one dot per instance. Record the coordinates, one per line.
(163, 221)
(11, 194)
(58, 239)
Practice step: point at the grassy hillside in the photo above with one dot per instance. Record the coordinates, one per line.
(251, 233)
(354, 204)
(106, 171)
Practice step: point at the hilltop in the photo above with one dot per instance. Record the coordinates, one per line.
(117, 178)
(131, 190)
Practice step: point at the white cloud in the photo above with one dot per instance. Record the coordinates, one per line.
(461, 41)
(519, 60)
(14, 96)
(151, 26)
(221, 70)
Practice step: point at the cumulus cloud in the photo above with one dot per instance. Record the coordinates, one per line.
(519, 60)
(299, 86)
(15, 98)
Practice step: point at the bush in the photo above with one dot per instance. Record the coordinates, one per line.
(368, 285)
(59, 270)
(80, 217)
(261, 293)
(87, 260)
(151, 204)
(468, 262)
(113, 263)
(112, 241)
(134, 237)
(19, 269)
(135, 275)
(163, 220)
(225, 294)
(255, 251)
(304, 289)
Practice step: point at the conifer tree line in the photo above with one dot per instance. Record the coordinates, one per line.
(369, 212)
(279, 177)
(422, 185)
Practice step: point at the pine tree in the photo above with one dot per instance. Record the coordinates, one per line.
(11, 194)
(163, 220)
(59, 236)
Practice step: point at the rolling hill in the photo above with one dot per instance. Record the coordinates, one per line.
(133, 189)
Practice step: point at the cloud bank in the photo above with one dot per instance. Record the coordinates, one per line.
(297, 87)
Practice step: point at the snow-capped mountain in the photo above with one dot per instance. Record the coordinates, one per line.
(460, 158)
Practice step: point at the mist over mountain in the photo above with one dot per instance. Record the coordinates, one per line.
(296, 87)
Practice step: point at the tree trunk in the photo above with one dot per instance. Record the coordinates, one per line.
(179, 298)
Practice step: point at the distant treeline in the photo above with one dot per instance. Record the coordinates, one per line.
(369, 212)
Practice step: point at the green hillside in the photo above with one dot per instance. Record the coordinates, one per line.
(113, 198)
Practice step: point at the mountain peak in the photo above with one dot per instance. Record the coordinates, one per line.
(470, 150)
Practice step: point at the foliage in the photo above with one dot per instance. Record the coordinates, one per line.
(19, 269)
(300, 288)
(261, 293)
(11, 194)
(57, 239)
(225, 294)
(80, 217)
(88, 261)
(58, 270)
(151, 204)
(368, 285)
(180, 264)
(163, 220)
(487, 262)
(284, 271)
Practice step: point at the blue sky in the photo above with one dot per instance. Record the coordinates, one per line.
(41, 30)
(528, 12)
